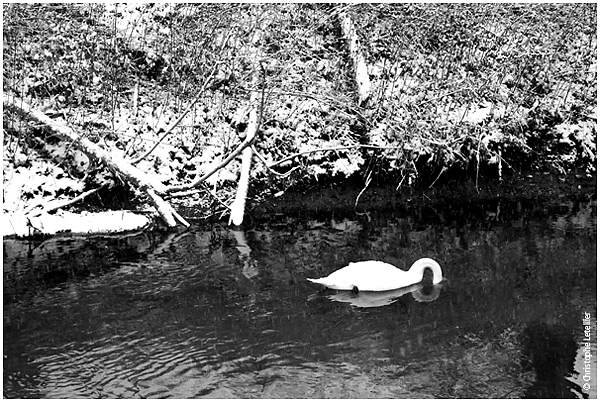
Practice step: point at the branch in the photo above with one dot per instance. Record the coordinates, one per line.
(186, 193)
(361, 72)
(254, 120)
(165, 210)
(183, 114)
(268, 166)
(147, 183)
(232, 155)
(57, 204)
(288, 158)
(214, 195)
(363, 190)
(186, 111)
(113, 162)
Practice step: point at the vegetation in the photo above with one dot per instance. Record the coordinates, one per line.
(454, 90)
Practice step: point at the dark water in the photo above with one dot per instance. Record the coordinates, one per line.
(218, 313)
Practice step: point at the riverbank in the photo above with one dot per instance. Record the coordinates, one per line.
(284, 113)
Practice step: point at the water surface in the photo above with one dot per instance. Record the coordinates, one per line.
(220, 313)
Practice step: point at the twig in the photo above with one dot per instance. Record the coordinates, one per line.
(186, 111)
(136, 92)
(477, 157)
(288, 158)
(218, 199)
(181, 116)
(247, 142)
(61, 204)
(237, 151)
(264, 161)
(205, 217)
(364, 188)
(355, 109)
(446, 94)
(438, 176)
(184, 193)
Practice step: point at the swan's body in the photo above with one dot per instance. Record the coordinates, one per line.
(379, 276)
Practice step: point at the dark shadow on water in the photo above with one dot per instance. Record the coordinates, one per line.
(550, 350)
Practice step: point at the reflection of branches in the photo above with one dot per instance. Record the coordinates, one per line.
(250, 269)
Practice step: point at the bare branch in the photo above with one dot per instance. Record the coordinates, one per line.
(268, 166)
(183, 114)
(232, 155)
(57, 204)
(312, 151)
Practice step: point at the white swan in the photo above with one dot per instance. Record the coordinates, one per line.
(378, 276)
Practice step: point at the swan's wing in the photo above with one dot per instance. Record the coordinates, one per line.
(371, 276)
(366, 276)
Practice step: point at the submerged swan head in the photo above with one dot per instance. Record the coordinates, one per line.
(379, 276)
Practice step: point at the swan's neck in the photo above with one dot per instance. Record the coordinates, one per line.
(418, 268)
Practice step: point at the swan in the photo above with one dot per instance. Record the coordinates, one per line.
(379, 276)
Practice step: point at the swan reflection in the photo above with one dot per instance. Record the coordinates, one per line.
(379, 299)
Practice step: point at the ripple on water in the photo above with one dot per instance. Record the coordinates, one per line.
(124, 367)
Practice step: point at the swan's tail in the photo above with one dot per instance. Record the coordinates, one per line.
(321, 281)
(328, 283)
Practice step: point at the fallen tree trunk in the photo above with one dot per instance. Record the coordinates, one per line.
(145, 182)
(361, 73)
(239, 204)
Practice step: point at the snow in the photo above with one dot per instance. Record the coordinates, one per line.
(109, 222)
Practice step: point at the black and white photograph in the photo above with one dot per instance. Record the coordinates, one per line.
(299, 200)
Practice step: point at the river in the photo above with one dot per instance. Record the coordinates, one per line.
(217, 313)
